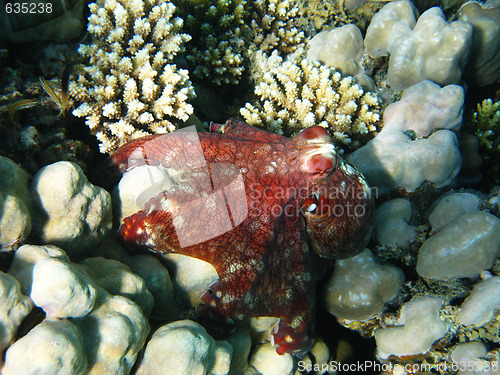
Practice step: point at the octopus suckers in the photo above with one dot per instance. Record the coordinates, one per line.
(233, 267)
(227, 298)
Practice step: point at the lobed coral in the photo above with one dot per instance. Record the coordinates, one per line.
(15, 219)
(72, 213)
(217, 27)
(430, 49)
(294, 95)
(463, 248)
(429, 321)
(408, 150)
(127, 86)
(86, 330)
(341, 48)
(483, 67)
(188, 340)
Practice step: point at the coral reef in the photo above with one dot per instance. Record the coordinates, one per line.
(463, 248)
(297, 94)
(474, 353)
(318, 15)
(392, 226)
(396, 17)
(483, 67)
(341, 48)
(397, 157)
(217, 51)
(127, 86)
(73, 213)
(426, 106)
(434, 49)
(61, 290)
(15, 307)
(430, 330)
(118, 279)
(486, 126)
(63, 351)
(417, 327)
(450, 207)
(89, 304)
(267, 362)
(104, 332)
(360, 287)
(191, 350)
(36, 136)
(274, 25)
(15, 219)
(480, 306)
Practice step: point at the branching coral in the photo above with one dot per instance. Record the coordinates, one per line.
(126, 85)
(274, 25)
(294, 95)
(218, 47)
(486, 125)
(317, 15)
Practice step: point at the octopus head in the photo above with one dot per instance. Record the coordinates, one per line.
(337, 206)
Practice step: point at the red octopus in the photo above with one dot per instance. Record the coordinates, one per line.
(253, 209)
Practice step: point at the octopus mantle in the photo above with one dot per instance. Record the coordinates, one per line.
(253, 204)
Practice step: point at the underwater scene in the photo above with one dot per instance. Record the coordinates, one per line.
(250, 187)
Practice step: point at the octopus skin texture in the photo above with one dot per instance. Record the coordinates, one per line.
(282, 198)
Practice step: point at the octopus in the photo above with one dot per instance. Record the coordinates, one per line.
(261, 208)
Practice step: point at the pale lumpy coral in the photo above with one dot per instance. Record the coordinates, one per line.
(434, 49)
(15, 220)
(479, 307)
(296, 94)
(189, 350)
(462, 249)
(360, 287)
(341, 48)
(418, 326)
(14, 308)
(108, 332)
(51, 347)
(127, 85)
(401, 155)
(396, 17)
(68, 210)
(392, 223)
(483, 67)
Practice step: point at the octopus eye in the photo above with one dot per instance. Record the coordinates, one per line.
(316, 204)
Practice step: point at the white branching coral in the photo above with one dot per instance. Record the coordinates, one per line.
(296, 94)
(274, 25)
(127, 86)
